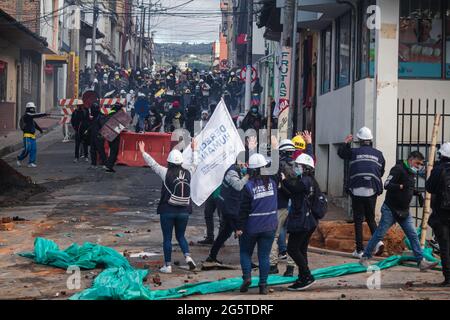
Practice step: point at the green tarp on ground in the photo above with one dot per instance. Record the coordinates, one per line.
(121, 282)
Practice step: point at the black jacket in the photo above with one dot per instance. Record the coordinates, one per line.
(396, 198)
(30, 125)
(433, 186)
(80, 120)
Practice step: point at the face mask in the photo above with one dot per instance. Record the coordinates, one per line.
(254, 110)
(298, 171)
(244, 170)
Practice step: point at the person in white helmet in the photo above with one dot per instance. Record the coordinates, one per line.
(438, 184)
(303, 218)
(367, 166)
(175, 204)
(257, 222)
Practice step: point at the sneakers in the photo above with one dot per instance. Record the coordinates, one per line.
(191, 263)
(303, 284)
(254, 266)
(364, 261)
(379, 248)
(245, 285)
(166, 269)
(289, 271)
(86, 159)
(19, 164)
(32, 165)
(282, 256)
(206, 241)
(273, 269)
(75, 160)
(357, 254)
(263, 289)
(425, 265)
(212, 260)
(110, 170)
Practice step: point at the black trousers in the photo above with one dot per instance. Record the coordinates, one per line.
(113, 152)
(298, 250)
(363, 209)
(442, 233)
(80, 142)
(97, 149)
(225, 233)
(210, 207)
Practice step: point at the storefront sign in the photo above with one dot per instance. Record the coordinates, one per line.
(283, 105)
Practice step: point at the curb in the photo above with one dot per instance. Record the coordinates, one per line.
(15, 147)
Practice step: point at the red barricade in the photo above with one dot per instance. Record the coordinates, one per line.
(158, 145)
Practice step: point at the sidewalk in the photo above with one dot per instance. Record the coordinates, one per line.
(13, 141)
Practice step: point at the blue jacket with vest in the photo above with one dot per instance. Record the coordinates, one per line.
(367, 167)
(258, 212)
(300, 218)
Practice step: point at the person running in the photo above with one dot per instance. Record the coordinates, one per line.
(438, 185)
(175, 204)
(367, 167)
(401, 187)
(257, 222)
(29, 127)
(301, 222)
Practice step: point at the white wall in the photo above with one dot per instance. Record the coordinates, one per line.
(423, 89)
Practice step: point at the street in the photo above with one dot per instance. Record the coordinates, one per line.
(119, 211)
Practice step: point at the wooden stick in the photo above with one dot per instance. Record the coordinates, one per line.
(431, 158)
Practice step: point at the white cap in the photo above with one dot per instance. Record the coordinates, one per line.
(256, 161)
(445, 150)
(131, 91)
(305, 159)
(175, 157)
(286, 145)
(122, 91)
(364, 134)
(30, 105)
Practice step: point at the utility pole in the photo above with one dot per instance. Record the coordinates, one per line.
(292, 103)
(249, 62)
(141, 42)
(94, 39)
(73, 83)
(286, 65)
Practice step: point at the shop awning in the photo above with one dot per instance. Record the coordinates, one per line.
(16, 33)
(55, 59)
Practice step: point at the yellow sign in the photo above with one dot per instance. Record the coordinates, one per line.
(76, 82)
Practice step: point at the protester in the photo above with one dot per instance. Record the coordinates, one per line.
(97, 142)
(113, 145)
(438, 184)
(154, 121)
(367, 167)
(29, 127)
(175, 205)
(401, 187)
(211, 206)
(257, 222)
(253, 120)
(80, 124)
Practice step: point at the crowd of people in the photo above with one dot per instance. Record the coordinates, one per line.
(275, 213)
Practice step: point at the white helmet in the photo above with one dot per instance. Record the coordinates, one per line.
(364, 134)
(445, 150)
(122, 91)
(256, 161)
(305, 159)
(131, 91)
(30, 105)
(175, 157)
(286, 145)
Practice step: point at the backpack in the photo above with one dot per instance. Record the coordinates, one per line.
(180, 195)
(318, 203)
(445, 190)
(22, 123)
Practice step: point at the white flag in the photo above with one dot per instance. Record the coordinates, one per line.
(219, 145)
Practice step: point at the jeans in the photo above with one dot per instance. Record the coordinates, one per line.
(442, 233)
(363, 208)
(225, 233)
(29, 148)
(210, 207)
(80, 141)
(386, 222)
(168, 222)
(247, 243)
(298, 250)
(279, 242)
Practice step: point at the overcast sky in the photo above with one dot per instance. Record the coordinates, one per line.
(200, 23)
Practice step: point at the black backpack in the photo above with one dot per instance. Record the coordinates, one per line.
(180, 191)
(318, 203)
(445, 190)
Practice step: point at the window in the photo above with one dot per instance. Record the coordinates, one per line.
(343, 39)
(26, 76)
(3, 80)
(420, 39)
(366, 48)
(326, 60)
